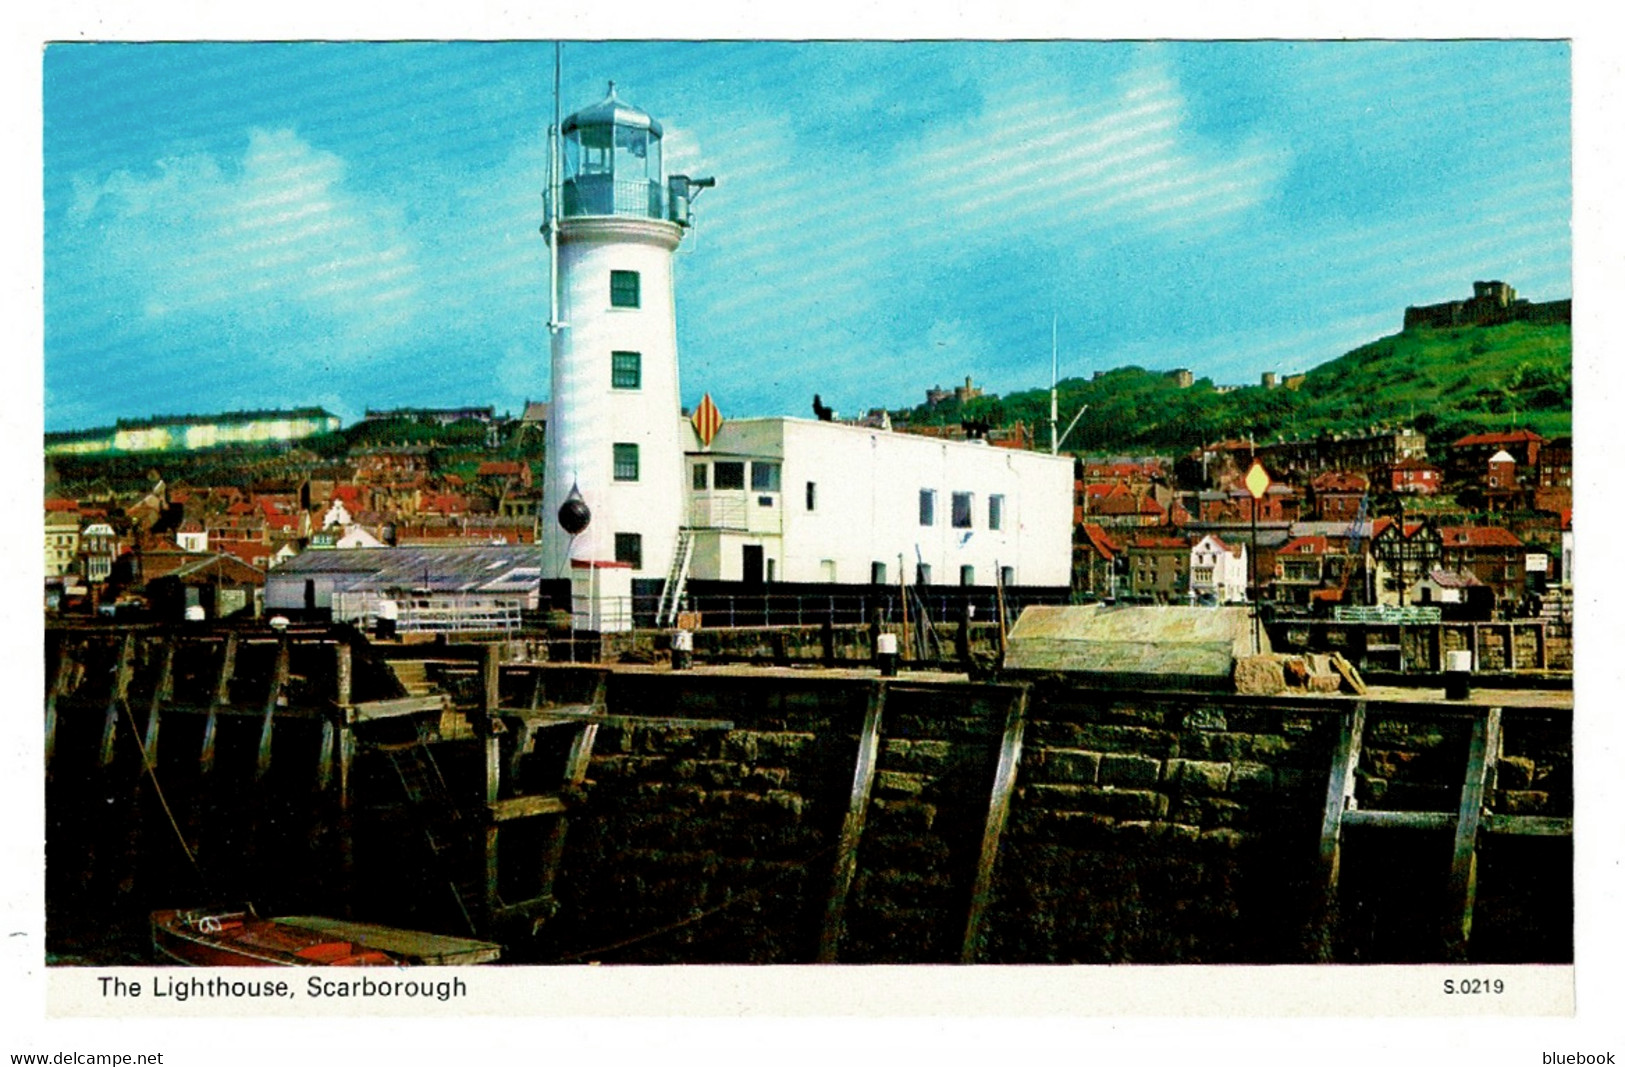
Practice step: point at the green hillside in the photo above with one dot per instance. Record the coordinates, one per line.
(1446, 383)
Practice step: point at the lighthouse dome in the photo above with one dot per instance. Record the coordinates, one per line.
(611, 111)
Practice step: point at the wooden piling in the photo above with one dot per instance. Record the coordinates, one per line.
(846, 857)
(115, 701)
(998, 813)
(279, 680)
(1482, 752)
(161, 694)
(59, 685)
(222, 697)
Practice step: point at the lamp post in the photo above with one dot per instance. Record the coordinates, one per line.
(1258, 483)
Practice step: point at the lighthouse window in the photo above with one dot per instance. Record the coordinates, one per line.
(623, 289)
(626, 463)
(626, 370)
(629, 549)
(812, 496)
(730, 475)
(961, 516)
(764, 477)
(995, 511)
(928, 507)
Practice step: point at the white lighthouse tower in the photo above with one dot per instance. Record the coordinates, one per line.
(614, 495)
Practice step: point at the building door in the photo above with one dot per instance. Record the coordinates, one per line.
(752, 564)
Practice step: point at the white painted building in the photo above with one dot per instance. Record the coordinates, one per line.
(798, 500)
(1219, 570)
(631, 492)
(614, 418)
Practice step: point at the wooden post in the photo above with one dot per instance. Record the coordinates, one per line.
(1340, 793)
(1512, 645)
(222, 697)
(902, 588)
(998, 813)
(59, 684)
(163, 691)
(336, 724)
(279, 679)
(998, 573)
(115, 702)
(846, 857)
(1482, 752)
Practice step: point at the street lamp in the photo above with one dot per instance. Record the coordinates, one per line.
(1258, 483)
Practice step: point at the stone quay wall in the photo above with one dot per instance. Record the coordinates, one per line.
(1141, 828)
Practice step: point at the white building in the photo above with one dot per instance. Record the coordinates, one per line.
(798, 500)
(615, 416)
(633, 493)
(1219, 570)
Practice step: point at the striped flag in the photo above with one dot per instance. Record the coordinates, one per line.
(707, 420)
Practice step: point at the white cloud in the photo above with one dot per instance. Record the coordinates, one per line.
(271, 239)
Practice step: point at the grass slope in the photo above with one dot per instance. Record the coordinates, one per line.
(1446, 383)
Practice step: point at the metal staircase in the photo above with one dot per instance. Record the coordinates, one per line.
(671, 596)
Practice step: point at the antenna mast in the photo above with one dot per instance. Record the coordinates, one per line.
(1054, 402)
(554, 191)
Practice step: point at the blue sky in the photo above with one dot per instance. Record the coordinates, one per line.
(351, 225)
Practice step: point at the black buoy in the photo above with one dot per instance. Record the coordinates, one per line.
(574, 514)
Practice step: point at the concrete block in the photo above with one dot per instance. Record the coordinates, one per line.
(1205, 719)
(1523, 802)
(930, 757)
(1129, 771)
(1260, 675)
(1515, 772)
(1198, 776)
(1251, 778)
(1137, 739)
(899, 783)
(1070, 765)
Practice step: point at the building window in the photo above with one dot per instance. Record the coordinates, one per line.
(626, 463)
(701, 480)
(961, 512)
(629, 549)
(995, 511)
(623, 289)
(812, 496)
(922, 574)
(626, 370)
(967, 575)
(729, 475)
(1007, 576)
(877, 573)
(928, 507)
(764, 477)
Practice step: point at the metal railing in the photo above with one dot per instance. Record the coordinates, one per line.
(1386, 614)
(452, 615)
(599, 194)
(791, 609)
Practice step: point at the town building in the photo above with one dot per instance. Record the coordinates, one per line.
(1218, 571)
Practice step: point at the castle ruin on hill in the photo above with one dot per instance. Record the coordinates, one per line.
(1492, 303)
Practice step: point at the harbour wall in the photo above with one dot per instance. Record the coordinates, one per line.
(783, 815)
